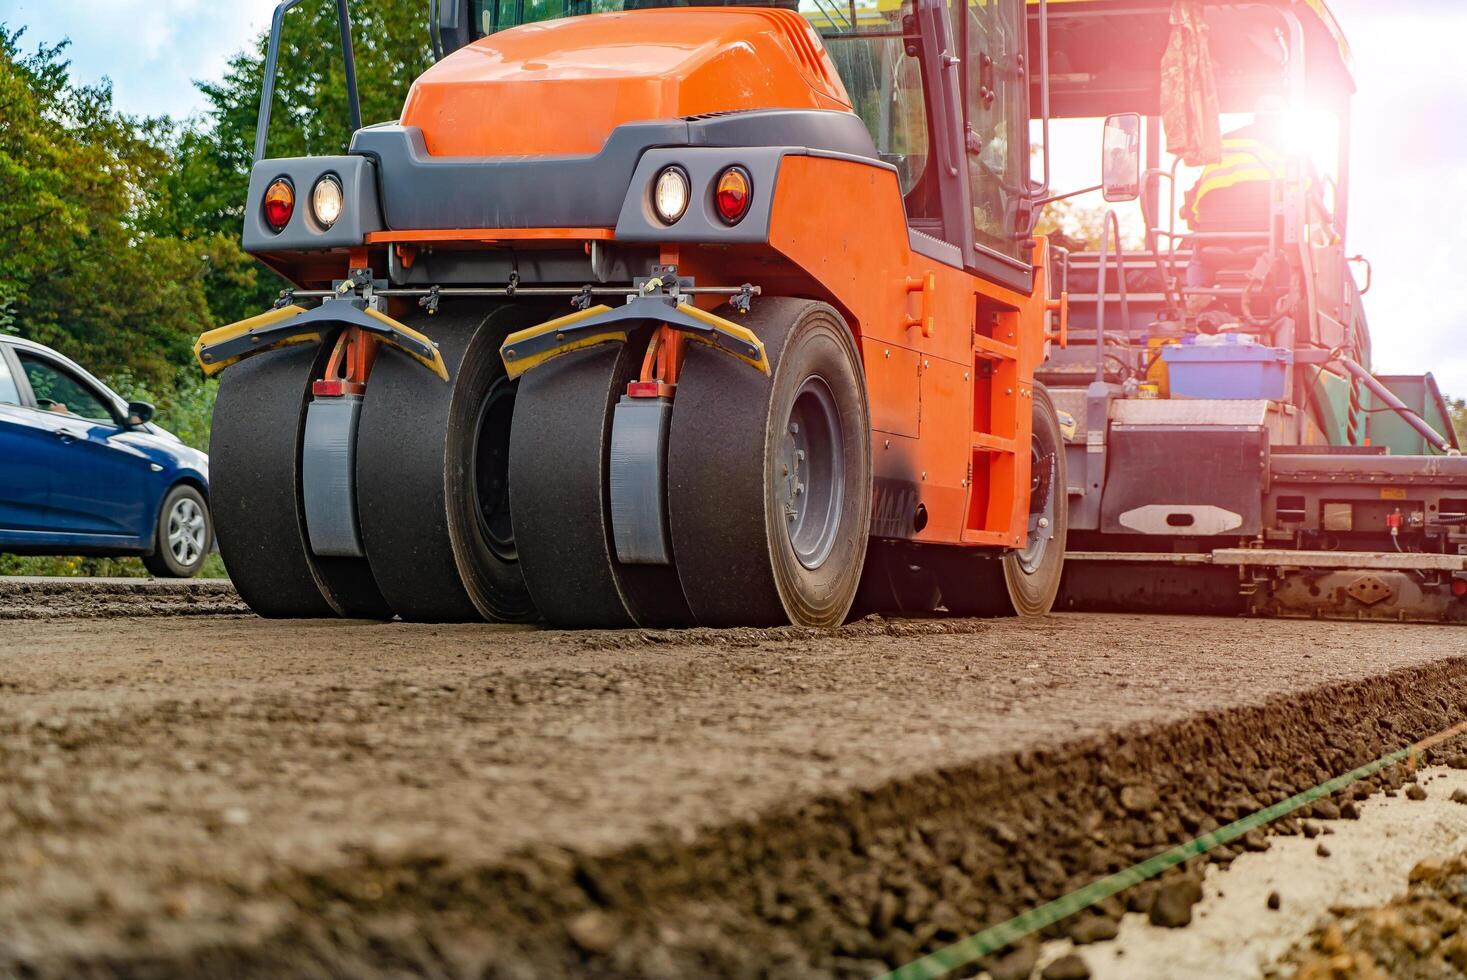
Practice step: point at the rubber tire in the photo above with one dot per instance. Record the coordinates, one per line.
(892, 584)
(161, 562)
(977, 585)
(414, 485)
(255, 496)
(560, 497)
(734, 556)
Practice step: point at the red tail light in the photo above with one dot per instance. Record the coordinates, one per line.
(279, 203)
(732, 194)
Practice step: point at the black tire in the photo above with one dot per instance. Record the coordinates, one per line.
(729, 495)
(183, 536)
(254, 466)
(429, 453)
(561, 497)
(892, 584)
(1020, 582)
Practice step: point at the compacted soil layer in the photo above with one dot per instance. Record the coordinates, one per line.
(242, 797)
(38, 597)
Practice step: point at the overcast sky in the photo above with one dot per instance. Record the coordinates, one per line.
(1410, 147)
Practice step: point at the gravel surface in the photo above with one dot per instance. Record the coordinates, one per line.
(1263, 903)
(246, 796)
(55, 597)
(1419, 934)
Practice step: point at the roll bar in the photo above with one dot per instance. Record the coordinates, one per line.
(272, 63)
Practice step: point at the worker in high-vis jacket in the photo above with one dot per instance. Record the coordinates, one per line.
(1235, 195)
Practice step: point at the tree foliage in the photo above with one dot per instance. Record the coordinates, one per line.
(121, 234)
(1458, 410)
(81, 187)
(309, 117)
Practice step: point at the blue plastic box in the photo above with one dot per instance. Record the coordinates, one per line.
(1227, 370)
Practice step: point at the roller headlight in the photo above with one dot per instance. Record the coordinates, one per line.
(670, 194)
(326, 201)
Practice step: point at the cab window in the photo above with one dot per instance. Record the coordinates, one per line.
(58, 390)
(865, 41)
(885, 86)
(489, 16)
(998, 120)
(9, 394)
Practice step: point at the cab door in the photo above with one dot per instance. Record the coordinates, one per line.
(97, 482)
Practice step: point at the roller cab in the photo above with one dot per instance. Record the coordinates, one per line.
(695, 315)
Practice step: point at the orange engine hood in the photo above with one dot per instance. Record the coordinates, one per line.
(560, 87)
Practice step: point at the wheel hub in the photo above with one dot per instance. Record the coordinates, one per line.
(812, 473)
(186, 531)
(1042, 466)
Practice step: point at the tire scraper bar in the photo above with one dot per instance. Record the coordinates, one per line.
(218, 348)
(535, 345)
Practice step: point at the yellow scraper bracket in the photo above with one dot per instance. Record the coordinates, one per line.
(218, 348)
(535, 345)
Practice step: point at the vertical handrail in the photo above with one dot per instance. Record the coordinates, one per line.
(354, 104)
(272, 64)
(1154, 230)
(435, 36)
(267, 90)
(1111, 231)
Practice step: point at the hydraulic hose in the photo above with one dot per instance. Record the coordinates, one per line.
(1435, 438)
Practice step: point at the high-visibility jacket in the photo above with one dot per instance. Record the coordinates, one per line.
(1234, 193)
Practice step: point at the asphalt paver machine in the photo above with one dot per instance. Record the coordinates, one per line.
(1233, 451)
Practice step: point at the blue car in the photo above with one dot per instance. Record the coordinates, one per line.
(84, 472)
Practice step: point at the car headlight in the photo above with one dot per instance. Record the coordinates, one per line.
(326, 201)
(670, 194)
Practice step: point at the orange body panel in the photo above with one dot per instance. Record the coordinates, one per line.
(590, 74)
(950, 407)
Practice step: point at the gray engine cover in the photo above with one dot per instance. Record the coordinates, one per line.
(328, 476)
(639, 480)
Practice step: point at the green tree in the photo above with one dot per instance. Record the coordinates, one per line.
(310, 117)
(1457, 407)
(80, 189)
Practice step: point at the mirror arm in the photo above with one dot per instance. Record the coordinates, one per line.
(1068, 194)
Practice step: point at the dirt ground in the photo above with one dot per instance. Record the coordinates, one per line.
(1265, 902)
(1419, 934)
(238, 796)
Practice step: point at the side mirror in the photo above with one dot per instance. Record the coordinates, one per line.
(1120, 157)
(139, 413)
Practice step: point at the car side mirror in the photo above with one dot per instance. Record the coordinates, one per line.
(1120, 157)
(139, 413)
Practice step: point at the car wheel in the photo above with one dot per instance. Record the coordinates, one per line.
(184, 535)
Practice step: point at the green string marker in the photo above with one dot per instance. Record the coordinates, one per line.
(990, 940)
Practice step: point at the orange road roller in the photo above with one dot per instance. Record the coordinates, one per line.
(658, 315)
